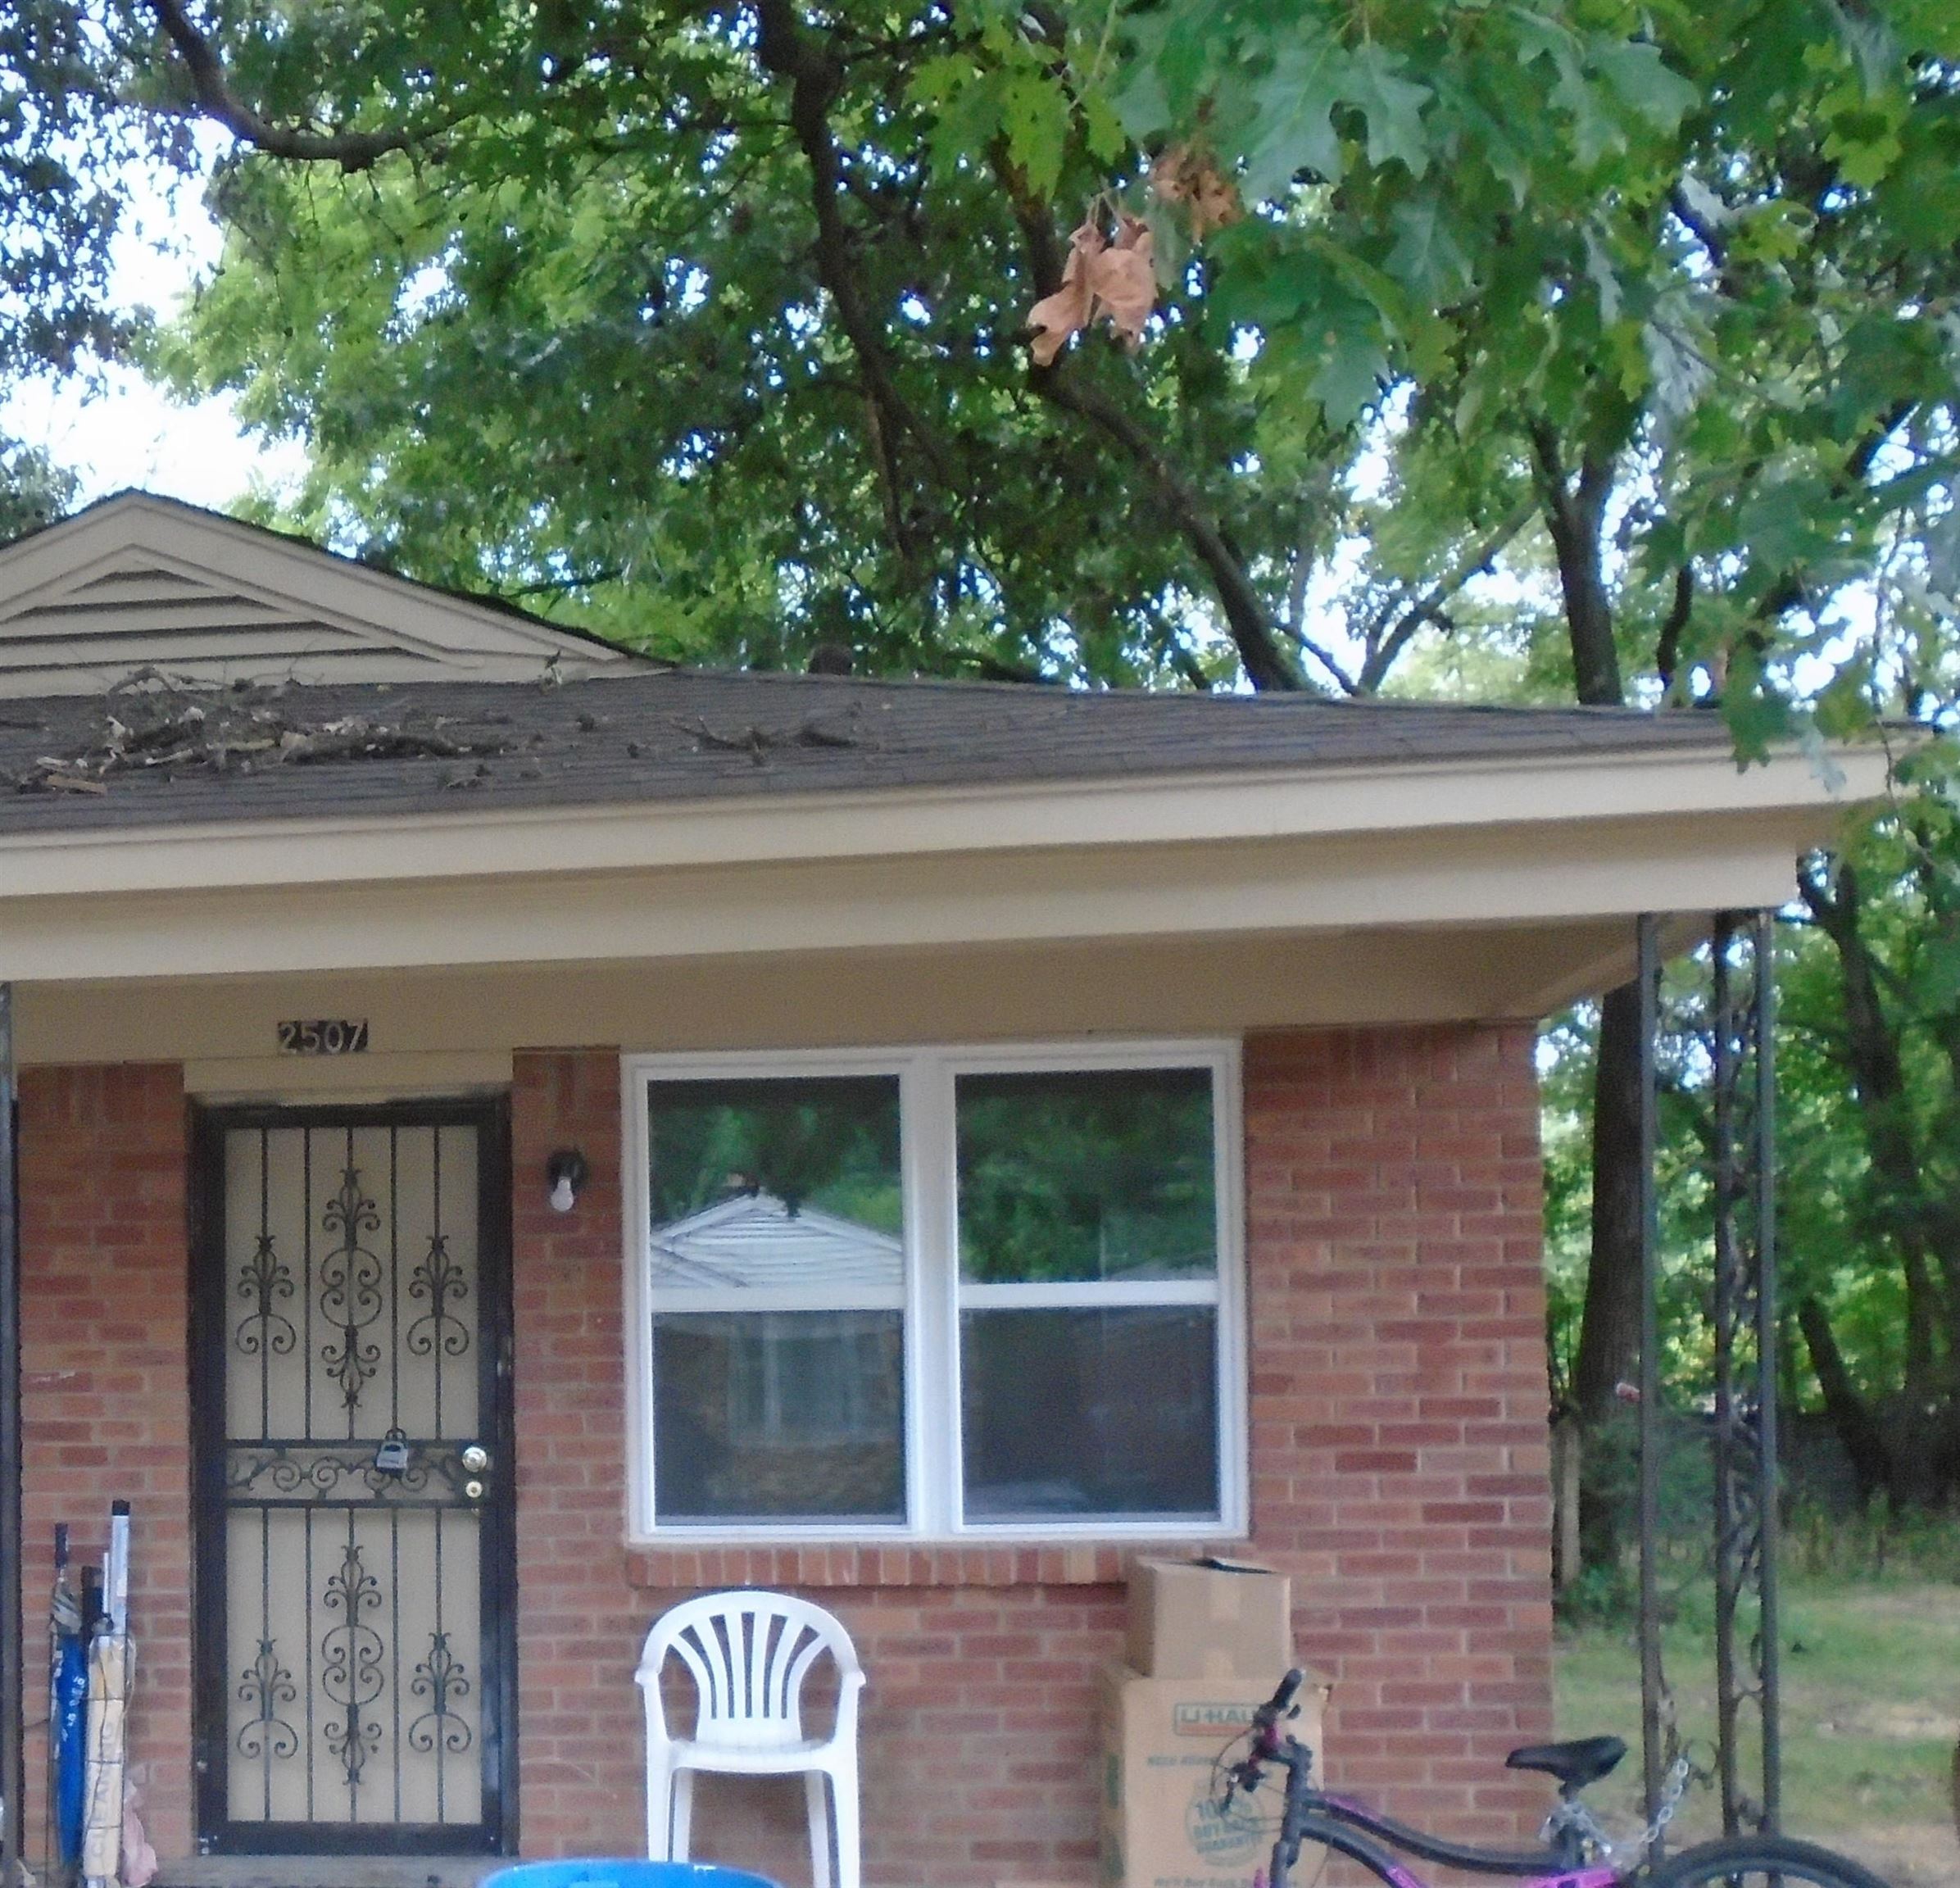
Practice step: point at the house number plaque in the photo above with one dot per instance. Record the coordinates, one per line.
(324, 1036)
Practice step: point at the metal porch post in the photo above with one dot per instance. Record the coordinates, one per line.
(13, 1696)
(1747, 1480)
(1768, 1334)
(1653, 1758)
(1744, 1439)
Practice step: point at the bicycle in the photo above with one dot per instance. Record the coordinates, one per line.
(1575, 1851)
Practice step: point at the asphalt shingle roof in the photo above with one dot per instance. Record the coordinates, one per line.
(682, 735)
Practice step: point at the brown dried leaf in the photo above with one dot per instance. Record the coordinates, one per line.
(1123, 278)
(1055, 317)
(1188, 174)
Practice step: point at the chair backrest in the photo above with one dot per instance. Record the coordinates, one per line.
(748, 1653)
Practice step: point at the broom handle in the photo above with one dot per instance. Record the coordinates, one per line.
(115, 1578)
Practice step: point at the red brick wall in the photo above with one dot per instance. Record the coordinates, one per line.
(1399, 1472)
(104, 1316)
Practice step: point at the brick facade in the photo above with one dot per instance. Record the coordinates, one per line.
(1399, 1472)
(1398, 1469)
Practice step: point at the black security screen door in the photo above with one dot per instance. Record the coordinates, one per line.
(354, 1563)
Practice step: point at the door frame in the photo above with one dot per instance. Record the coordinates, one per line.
(211, 1683)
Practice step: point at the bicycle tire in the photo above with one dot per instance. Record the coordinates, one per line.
(1760, 1861)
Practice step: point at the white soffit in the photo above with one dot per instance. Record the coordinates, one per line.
(137, 582)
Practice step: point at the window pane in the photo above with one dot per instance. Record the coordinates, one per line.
(1073, 1177)
(1090, 1412)
(769, 1183)
(778, 1415)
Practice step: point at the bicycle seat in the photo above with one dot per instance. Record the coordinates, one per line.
(1581, 1761)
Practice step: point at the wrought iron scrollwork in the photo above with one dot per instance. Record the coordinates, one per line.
(350, 1659)
(440, 1281)
(263, 1278)
(266, 1686)
(283, 1469)
(443, 1679)
(351, 1280)
(344, 1344)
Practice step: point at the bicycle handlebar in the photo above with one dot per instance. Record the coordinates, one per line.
(1267, 1719)
(1264, 1735)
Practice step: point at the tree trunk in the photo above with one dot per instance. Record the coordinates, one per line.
(1609, 1336)
(1609, 1331)
(1899, 1211)
(1863, 1440)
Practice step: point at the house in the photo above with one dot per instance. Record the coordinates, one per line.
(512, 1134)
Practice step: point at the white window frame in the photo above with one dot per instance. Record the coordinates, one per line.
(927, 1160)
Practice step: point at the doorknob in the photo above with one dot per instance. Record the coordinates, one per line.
(476, 1458)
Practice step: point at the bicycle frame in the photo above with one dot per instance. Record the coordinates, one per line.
(1368, 1837)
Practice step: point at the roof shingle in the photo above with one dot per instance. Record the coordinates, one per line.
(681, 735)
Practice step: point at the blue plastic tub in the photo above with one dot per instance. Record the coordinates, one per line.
(601, 1872)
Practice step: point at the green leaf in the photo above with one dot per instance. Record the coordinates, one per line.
(1775, 523)
(1426, 258)
(1605, 276)
(939, 79)
(1102, 129)
(1350, 378)
(1034, 113)
(1844, 706)
(1643, 81)
(1393, 107)
(1293, 128)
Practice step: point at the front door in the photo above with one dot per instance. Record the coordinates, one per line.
(354, 1662)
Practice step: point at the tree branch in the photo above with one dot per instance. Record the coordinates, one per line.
(1429, 607)
(1788, 591)
(1575, 516)
(352, 151)
(1245, 618)
(788, 51)
(1667, 648)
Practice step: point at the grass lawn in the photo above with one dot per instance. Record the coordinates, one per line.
(1871, 1713)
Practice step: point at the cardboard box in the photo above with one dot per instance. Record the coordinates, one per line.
(1210, 1619)
(1161, 1825)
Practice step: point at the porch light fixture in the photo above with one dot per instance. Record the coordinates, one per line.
(565, 1173)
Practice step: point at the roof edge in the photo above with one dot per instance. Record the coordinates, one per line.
(1360, 800)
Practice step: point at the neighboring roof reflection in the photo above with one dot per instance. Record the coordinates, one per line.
(755, 1241)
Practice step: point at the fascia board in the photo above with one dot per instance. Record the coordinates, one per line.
(1542, 794)
(1302, 886)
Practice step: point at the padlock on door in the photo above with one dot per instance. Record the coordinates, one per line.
(391, 1457)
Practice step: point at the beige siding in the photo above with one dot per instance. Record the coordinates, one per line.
(136, 583)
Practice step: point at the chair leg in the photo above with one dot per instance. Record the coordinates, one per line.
(819, 1829)
(844, 1803)
(659, 1814)
(683, 1812)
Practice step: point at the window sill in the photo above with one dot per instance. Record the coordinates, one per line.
(963, 1563)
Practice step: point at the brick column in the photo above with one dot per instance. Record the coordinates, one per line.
(1400, 1460)
(105, 1332)
(580, 1772)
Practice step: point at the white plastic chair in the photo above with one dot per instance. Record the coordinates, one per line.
(749, 1654)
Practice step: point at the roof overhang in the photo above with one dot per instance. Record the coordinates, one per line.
(1556, 843)
(1785, 802)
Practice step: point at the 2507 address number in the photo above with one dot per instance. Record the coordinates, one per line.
(324, 1036)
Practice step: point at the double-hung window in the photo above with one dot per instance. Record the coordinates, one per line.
(936, 1293)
